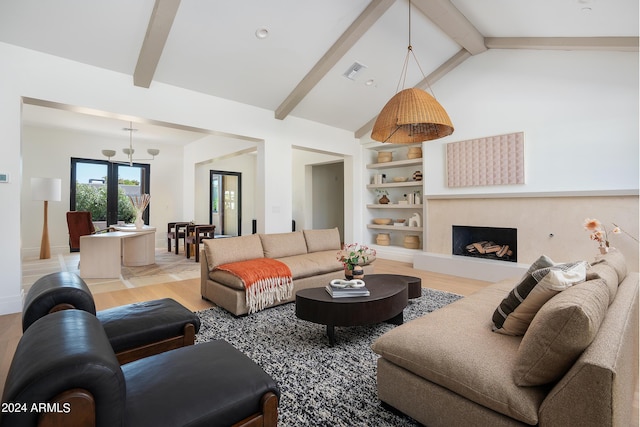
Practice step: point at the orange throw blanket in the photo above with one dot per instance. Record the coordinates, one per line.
(266, 280)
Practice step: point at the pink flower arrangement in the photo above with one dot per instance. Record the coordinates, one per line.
(355, 254)
(599, 232)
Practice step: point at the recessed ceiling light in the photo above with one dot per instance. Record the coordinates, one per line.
(370, 82)
(262, 33)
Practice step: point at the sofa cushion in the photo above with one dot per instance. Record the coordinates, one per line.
(549, 281)
(455, 348)
(280, 245)
(519, 292)
(322, 240)
(616, 260)
(232, 249)
(563, 328)
(607, 274)
(313, 264)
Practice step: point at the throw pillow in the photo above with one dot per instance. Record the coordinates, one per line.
(519, 292)
(549, 281)
(563, 328)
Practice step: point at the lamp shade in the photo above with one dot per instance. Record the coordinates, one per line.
(49, 189)
(412, 115)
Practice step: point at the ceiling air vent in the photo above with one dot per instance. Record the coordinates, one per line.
(353, 71)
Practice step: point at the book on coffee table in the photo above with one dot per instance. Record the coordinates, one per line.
(347, 292)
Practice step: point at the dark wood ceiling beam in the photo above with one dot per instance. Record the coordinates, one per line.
(454, 24)
(623, 44)
(164, 12)
(424, 84)
(356, 30)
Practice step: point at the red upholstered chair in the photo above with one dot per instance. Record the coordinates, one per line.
(80, 224)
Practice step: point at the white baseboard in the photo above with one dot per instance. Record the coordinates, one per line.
(12, 304)
(472, 268)
(394, 253)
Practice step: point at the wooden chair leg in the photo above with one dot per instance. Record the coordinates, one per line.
(268, 415)
(72, 408)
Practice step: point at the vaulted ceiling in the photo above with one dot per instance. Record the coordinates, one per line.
(290, 56)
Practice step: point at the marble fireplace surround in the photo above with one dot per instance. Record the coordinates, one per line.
(550, 224)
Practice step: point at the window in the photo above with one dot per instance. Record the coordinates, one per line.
(103, 188)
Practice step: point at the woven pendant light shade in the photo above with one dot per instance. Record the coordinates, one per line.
(412, 115)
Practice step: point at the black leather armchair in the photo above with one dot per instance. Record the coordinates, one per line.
(65, 366)
(135, 330)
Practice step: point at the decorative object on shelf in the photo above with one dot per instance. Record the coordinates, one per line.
(415, 220)
(140, 203)
(382, 221)
(153, 152)
(382, 239)
(379, 178)
(414, 153)
(385, 156)
(400, 179)
(410, 198)
(399, 222)
(411, 115)
(352, 257)
(47, 190)
(411, 241)
(417, 176)
(384, 199)
(416, 198)
(599, 233)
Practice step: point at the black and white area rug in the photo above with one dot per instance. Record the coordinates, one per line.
(320, 385)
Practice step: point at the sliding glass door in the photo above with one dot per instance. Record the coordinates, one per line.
(103, 188)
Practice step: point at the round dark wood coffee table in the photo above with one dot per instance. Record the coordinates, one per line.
(389, 297)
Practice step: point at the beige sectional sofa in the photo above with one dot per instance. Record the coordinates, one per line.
(311, 255)
(578, 357)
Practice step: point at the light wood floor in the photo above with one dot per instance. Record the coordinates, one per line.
(187, 292)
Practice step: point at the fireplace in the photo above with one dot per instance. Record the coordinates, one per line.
(496, 243)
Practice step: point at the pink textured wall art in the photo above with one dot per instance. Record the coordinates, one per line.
(494, 160)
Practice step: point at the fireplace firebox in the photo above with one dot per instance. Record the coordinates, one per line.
(494, 243)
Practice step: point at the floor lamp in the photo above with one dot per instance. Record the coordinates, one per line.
(47, 189)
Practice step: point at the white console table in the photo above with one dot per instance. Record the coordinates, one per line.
(101, 255)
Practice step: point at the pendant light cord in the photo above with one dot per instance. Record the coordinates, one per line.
(405, 66)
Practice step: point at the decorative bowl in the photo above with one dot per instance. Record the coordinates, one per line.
(382, 221)
(400, 179)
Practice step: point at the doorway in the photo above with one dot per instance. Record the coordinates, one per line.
(328, 196)
(225, 202)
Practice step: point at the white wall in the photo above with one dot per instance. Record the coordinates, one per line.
(578, 111)
(26, 73)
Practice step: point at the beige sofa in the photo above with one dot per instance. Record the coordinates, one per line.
(311, 255)
(448, 368)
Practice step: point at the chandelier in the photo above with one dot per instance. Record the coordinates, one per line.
(411, 115)
(153, 152)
